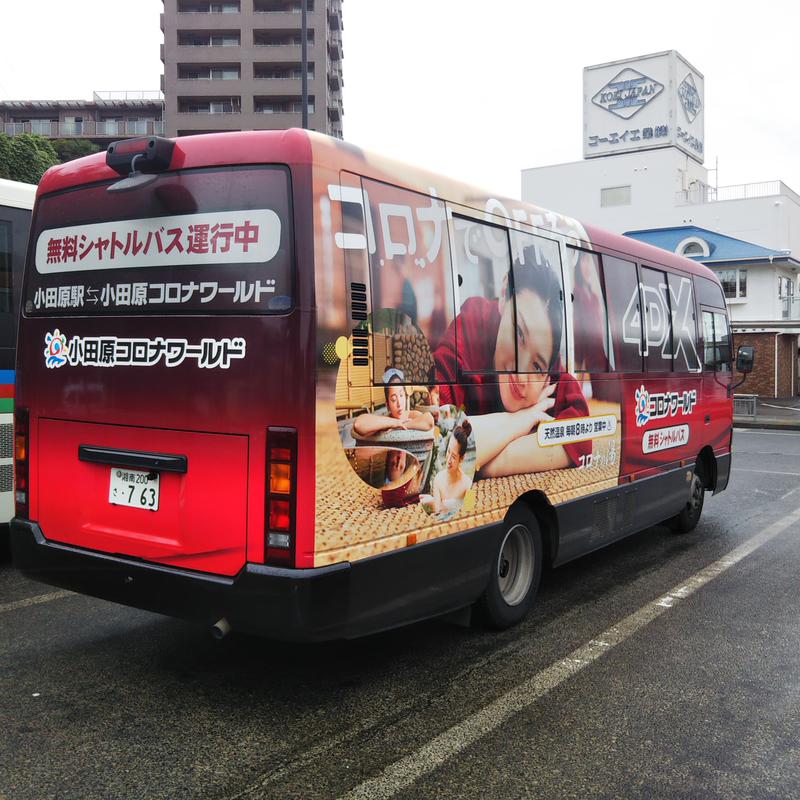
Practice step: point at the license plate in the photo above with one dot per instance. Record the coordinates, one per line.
(134, 487)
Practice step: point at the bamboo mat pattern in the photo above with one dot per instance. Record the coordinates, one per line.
(352, 523)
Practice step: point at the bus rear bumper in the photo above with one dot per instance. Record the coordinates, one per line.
(340, 601)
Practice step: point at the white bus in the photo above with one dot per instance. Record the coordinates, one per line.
(16, 204)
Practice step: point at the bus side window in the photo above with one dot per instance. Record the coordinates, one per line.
(589, 316)
(717, 341)
(709, 356)
(624, 313)
(684, 325)
(722, 342)
(658, 320)
(410, 281)
(6, 251)
(539, 303)
(709, 293)
(487, 319)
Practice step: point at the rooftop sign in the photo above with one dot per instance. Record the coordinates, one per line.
(642, 103)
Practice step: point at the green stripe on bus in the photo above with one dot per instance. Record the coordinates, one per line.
(6, 405)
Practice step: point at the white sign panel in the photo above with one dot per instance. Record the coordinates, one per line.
(641, 103)
(665, 438)
(222, 237)
(571, 430)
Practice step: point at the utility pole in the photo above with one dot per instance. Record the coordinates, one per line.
(304, 65)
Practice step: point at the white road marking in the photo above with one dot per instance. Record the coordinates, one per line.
(765, 471)
(783, 408)
(402, 774)
(789, 493)
(34, 601)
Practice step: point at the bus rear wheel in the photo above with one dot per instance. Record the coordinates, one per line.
(515, 572)
(688, 517)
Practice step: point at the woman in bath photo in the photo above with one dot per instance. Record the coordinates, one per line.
(451, 484)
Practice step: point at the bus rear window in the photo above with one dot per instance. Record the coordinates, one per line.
(196, 241)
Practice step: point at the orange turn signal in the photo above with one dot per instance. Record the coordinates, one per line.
(280, 478)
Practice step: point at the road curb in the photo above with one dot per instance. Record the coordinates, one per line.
(766, 424)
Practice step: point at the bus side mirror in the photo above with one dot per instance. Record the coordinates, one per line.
(745, 358)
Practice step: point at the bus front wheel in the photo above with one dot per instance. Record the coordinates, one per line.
(686, 520)
(515, 572)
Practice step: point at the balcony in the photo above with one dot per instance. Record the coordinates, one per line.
(88, 129)
(209, 7)
(281, 71)
(210, 105)
(335, 81)
(335, 46)
(790, 307)
(283, 104)
(209, 39)
(281, 7)
(284, 38)
(203, 73)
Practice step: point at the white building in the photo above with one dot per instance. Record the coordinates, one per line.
(643, 172)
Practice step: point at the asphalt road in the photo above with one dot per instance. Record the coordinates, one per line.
(663, 667)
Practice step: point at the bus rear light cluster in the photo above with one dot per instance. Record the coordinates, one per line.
(281, 495)
(21, 450)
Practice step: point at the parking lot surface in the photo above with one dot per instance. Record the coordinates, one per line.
(663, 666)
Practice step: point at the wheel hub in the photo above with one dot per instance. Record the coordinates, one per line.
(515, 565)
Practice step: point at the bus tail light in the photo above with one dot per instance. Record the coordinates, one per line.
(21, 452)
(281, 495)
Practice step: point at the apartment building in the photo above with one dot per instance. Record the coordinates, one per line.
(103, 119)
(234, 65)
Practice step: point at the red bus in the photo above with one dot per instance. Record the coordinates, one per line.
(270, 382)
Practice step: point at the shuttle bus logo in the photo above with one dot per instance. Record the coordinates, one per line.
(642, 407)
(56, 350)
(658, 405)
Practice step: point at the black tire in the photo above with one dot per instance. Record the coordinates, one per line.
(688, 517)
(515, 572)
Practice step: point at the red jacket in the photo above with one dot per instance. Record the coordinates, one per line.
(475, 329)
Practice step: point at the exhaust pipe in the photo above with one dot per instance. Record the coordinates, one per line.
(220, 629)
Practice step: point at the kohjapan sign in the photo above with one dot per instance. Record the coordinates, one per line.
(628, 93)
(224, 237)
(640, 103)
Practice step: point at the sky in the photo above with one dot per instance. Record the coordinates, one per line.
(474, 89)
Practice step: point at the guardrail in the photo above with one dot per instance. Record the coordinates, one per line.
(745, 405)
(703, 193)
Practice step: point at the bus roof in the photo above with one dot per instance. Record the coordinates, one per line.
(16, 194)
(297, 146)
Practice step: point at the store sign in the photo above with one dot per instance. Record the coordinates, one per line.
(690, 98)
(628, 93)
(641, 103)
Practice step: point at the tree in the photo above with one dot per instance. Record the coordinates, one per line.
(26, 157)
(5, 156)
(69, 149)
